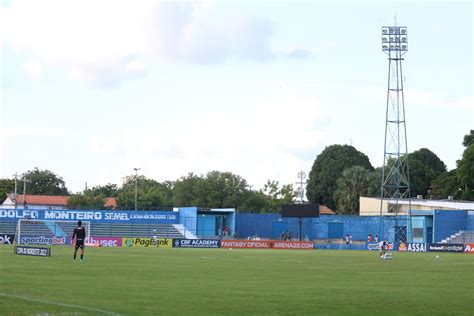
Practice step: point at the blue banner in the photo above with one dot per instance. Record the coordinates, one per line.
(416, 247)
(196, 243)
(129, 217)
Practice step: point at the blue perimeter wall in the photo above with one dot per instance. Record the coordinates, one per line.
(270, 226)
(447, 223)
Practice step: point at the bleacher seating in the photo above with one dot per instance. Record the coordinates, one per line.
(463, 237)
(136, 230)
(7, 227)
(97, 229)
(34, 228)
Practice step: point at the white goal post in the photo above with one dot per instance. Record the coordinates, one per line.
(47, 232)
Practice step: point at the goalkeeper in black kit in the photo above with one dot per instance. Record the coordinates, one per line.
(80, 236)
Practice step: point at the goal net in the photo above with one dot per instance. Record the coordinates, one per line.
(47, 232)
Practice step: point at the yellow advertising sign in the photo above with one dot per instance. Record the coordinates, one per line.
(147, 242)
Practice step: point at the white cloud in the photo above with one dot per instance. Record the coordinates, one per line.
(104, 42)
(265, 142)
(33, 69)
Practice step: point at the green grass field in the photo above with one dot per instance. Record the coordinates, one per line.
(235, 282)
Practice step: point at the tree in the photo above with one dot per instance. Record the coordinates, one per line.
(223, 189)
(328, 167)
(108, 190)
(468, 139)
(187, 191)
(465, 173)
(425, 167)
(150, 193)
(354, 183)
(429, 159)
(447, 184)
(277, 196)
(86, 200)
(44, 182)
(255, 201)
(6, 186)
(421, 177)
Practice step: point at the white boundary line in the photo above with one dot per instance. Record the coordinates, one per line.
(85, 308)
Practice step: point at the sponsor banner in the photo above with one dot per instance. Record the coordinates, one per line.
(43, 240)
(416, 247)
(246, 244)
(292, 245)
(33, 251)
(446, 247)
(17, 214)
(402, 246)
(105, 241)
(266, 244)
(469, 248)
(376, 246)
(147, 242)
(196, 243)
(138, 217)
(7, 239)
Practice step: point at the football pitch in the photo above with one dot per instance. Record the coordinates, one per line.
(160, 281)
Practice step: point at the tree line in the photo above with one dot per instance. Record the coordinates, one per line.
(339, 176)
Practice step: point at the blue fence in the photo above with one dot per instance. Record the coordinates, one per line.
(271, 226)
(433, 226)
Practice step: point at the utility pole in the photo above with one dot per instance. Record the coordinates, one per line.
(136, 187)
(24, 191)
(16, 188)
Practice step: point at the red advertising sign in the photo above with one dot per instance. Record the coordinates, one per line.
(246, 244)
(266, 244)
(292, 245)
(402, 246)
(469, 248)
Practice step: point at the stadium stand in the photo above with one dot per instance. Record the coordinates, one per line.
(7, 227)
(34, 228)
(461, 237)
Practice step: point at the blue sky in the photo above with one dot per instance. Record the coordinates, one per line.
(93, 89)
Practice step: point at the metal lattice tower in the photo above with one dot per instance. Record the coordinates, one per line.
(395, 174)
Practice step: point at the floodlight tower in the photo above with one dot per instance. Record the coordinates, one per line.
(395, 172)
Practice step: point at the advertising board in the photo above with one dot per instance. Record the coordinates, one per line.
(7, 239)
(469, 248)
(147, 242)
(416, 247)
(106, 241)
(376, 246)
(43, 240)
(196, 243)
(33, 251)
(266, 244)
(292, 245)
(402, 246)
(133, 217)
(446, 247)
(246, 244)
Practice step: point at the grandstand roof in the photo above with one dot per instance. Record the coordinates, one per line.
(50, 200)
(324, 210)
(40, 199)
